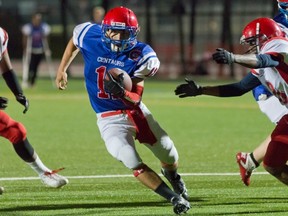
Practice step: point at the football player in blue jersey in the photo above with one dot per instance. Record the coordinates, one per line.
(121, 115)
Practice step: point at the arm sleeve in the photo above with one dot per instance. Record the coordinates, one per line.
(133, 97)
(266, 60)
(248, 83)
(12, 82)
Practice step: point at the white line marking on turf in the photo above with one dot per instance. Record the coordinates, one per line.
(124, 176)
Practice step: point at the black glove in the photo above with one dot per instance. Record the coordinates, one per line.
(3, 103)
(23, 100)
(114, 86)
(188, 90)
(222, 56)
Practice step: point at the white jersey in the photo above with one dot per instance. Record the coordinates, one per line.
(272, 108)
(275, 78)
(3, 41)
(283, 28)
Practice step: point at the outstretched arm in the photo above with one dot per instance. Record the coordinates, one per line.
(222, 56)
(70, 53)
(191, 89)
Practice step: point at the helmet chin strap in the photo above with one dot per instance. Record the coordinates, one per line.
(257, 37)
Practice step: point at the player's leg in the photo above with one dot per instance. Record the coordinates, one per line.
(120, 144)
(15, 132)
(165, 150)
(258, 154)
(153, 181)
(37, 60)
(33, 66)
(277, 152)
(248, 162)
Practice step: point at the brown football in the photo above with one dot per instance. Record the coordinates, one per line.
(127, 82)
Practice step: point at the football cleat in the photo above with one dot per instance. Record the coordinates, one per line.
(177, 184)
(52, 179)
(180, 205)
(246, 166)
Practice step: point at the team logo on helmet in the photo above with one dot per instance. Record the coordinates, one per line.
(118, 24)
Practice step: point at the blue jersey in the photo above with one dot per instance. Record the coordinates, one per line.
(281, 18)
(139, 62)
(37, 33)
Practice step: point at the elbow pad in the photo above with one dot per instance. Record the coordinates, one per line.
(266, 60)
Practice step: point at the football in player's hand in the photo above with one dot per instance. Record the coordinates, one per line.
(122, 77)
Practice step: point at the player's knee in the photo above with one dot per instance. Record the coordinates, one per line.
(16, 133)
(169, 153)
(139, 170)
(130, 159)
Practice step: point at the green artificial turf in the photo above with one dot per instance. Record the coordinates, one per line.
(207, 132)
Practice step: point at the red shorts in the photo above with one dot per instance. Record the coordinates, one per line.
(10, 129)
(277, 151)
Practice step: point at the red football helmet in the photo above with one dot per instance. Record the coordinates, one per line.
(120, 19)
(258, 31)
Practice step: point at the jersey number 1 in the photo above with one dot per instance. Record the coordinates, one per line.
(100, 82)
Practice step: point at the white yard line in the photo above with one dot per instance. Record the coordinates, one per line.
(125, 176)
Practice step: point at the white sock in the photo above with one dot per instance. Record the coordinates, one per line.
(38, 166)
(250, 164)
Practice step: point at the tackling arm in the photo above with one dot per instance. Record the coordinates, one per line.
(245, 85)
(256, 60)
(70, 53)
(222, 56)
(191, 89)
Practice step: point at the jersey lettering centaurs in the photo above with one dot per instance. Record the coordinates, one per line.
(275, 78)
(139, 62)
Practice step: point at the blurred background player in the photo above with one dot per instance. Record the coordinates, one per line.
(121, 115)
(98, 13)
(268, 51)
(269, 105)
(35, 47)
(14, 131)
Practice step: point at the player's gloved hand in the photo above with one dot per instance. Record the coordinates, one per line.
(222, 56)
(189, 89)
(114, 86)
(3, 103)
(24, 101)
